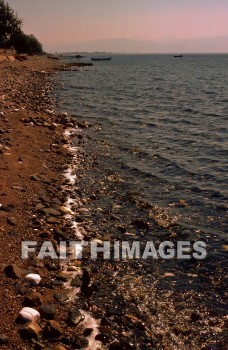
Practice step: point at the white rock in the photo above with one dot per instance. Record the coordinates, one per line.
(34, 278)
(66, 210)
(28, 314)
(97, 241)
(169, 274)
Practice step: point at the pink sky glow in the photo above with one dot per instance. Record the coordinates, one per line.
(57, 22)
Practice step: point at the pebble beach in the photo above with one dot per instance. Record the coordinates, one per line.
(52, 189)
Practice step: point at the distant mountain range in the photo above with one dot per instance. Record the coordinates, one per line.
(194, 45)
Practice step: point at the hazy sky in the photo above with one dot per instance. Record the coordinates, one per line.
(56, 22)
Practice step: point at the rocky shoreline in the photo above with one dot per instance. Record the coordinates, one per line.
(34, 156)
(53, 189)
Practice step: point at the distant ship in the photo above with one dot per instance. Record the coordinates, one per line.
(101, 58)
(178, 56)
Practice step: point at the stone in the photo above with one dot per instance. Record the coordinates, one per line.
(66, 210)
(195, 316)
(33, 278)
(75, 317)
(52, 220)
(30, 330)
(76, 282)
(11, 221)
(21, 288)
(59, 233)
(4, 208)
(143, 225)
(33, 299)
(52, 329)
(61, 297)
(3, 339)
(114, 311)
(27, 314)
(103, 338)
(48, 311)
(87, 332)
(38, 345)
(80, 342)
(18, 188)
(79, 218)
(64, 276)
(13, 271)
(51, 211)
(34, 178)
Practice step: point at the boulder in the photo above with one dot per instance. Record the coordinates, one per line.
(13, 271)
(30, 330)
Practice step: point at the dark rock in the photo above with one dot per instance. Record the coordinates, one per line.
(57, 283)
(74, 317)
(122, 229)
(34, 178)
(76, 282)
(95, 269)
(11, 221)
(103, 338)
(87, 332)
(22, 288)
(105, 322)
(48, 312)
(51, 266)
(52, 329)
(5, 208)
(79, 218)
(83, 124)
(80, 342)
(114, 311)
(51, 211)
(143, 225)
(13, 271)
(52, 220)
(33, 299)
(59, 233)
(85, 281)
(3, 339)
(195, 317)
(39, 346)
(61, 297)
(30, 330)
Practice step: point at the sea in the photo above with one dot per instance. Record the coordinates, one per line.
(165, 119)
(156, 151)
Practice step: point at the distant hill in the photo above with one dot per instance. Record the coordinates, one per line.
(194, 45)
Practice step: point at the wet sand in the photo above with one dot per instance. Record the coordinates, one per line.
(132, 302)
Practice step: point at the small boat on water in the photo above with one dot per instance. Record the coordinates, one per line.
(53, 57)
(178, 56)
(101, 58)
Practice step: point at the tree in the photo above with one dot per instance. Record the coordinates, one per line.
(11, 33)
(34, 45)
(26, 43)
(10, 24)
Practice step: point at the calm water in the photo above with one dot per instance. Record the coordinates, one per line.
(165, 120)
